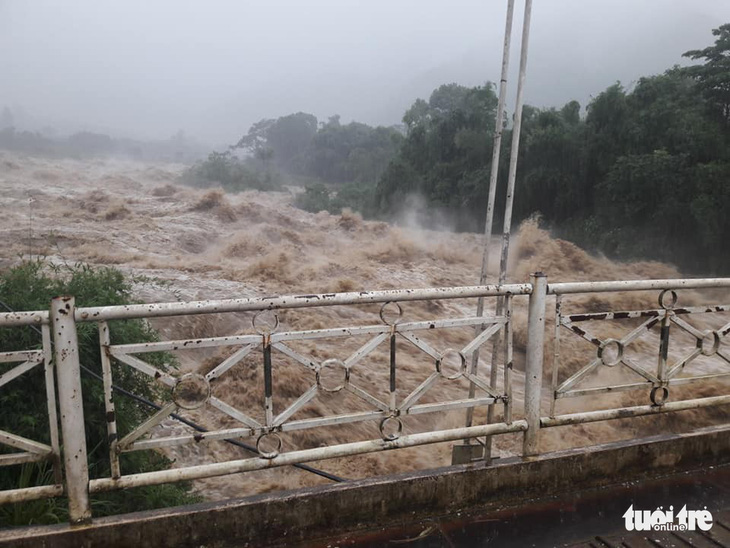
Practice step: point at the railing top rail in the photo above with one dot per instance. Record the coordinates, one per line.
(294, 301)
(105, 313)
(636, 285)
(11, 319)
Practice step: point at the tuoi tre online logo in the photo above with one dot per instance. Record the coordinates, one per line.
(666, 520)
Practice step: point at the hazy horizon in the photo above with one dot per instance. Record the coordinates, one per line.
(149, 70)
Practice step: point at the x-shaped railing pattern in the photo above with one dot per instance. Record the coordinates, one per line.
(610, 352)
(193, 391)
(32, 450)
(388, 402)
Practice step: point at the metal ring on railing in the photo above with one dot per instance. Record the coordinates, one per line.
(260, 327)
(661, 400)
(390, 436)
(263, 438)
(609, 361)
(331, 363)
(662, 298)
(715, 343)
(384, 311)
(191, 391)
(440, 364)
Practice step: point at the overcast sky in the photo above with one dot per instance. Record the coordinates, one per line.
(149, 68)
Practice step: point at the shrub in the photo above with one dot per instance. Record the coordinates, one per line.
(30, 286)
(358, 197)
(230, 173)
(314, 199)
(318, 197)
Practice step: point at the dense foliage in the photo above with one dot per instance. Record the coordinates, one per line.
(445, 156)
(645, 173)
(321, 197)
(350, 153)
(331, 152)
(223, 169)
(23, 410)
(713, 75)
(339, 164)
(642, 173)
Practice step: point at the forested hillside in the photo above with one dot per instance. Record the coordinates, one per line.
(642, 172)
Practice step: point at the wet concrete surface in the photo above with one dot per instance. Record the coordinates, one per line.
(588, 518)
(575, 497)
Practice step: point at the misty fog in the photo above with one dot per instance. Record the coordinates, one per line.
(174, 151)
(149, 69)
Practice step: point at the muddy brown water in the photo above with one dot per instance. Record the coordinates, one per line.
(207, 244)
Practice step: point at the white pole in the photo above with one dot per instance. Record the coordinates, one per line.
(534, 359)
(496, 148)
(68, 372)
(515, 144)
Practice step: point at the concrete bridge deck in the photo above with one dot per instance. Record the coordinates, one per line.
(567, 498)
(586, 519)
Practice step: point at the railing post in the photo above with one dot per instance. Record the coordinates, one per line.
(68, 371)
(533, 367)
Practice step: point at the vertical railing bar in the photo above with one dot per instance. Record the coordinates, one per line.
(111, 417)
(49, 366)
(534, 363)
(664, 346)
(493, 375)
(268, 384)
(556, 352)
(392, 371)
(508, 351)
(68, 371)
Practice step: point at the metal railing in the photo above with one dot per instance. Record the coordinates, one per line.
(612, 352)
(196, 391)
(24, 450)
(267, 425)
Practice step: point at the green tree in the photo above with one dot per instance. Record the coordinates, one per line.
(713, 76)
(287, 137)
(224, 169)
(608, 123)
(553, 164)
(709, 206)
(666, 114)
(445, 155)
(314, 199)
(352, 152)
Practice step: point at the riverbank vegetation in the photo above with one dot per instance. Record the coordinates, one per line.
(31, 285)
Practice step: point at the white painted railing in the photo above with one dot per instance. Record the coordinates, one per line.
(267, 425)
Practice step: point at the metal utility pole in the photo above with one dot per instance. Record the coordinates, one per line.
(496, 148)
(514, 152)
